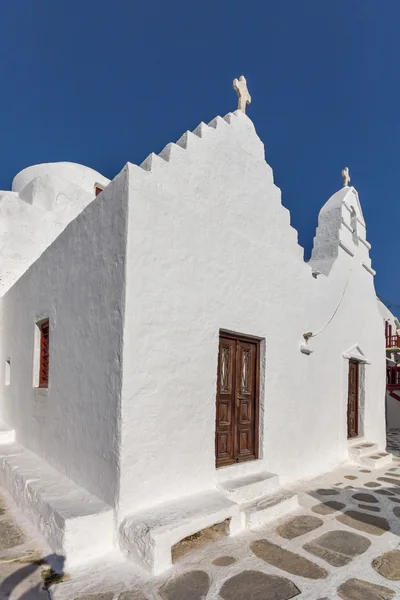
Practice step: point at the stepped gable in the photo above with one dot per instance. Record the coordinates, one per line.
(234, 127)
(341, 225)
(204, 131)
(46, 197)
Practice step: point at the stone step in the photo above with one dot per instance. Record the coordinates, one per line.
(7, 435)
(73, 522)
(147, 537)
(362, 449)
(375, 461)
(269, 508)
(250, 487)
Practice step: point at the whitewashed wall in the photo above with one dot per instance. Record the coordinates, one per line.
(210, 247)
(78, 283)
(387, 315)
(43, 200)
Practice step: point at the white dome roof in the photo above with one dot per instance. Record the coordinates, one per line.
(84, 177)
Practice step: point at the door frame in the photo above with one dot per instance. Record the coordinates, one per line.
(231, 335)
(356, 354)
(358, 420)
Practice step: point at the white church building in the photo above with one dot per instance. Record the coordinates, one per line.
(169, 361)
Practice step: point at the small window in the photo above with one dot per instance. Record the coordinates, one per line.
(7, 376)
(44, 328)
(98, 189)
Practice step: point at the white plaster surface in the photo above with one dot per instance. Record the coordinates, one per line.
(77, 284)
(136, 299)
(387, 315)
(43, 200)
(222, 255)
(361, 449)
(7, 435)
(79, 175)
(149, 535)
(267, 509)
(74, 523)
(251, 487)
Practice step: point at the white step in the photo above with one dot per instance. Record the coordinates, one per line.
(74, 523)
(7, 435)
(147, 536)
(362, 449)
(270, 508)
(375, 461)
(247, 489)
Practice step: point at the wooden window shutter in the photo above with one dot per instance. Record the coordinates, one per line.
(44, 354)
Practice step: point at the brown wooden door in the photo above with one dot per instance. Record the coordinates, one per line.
(352, 405)
(236, 438)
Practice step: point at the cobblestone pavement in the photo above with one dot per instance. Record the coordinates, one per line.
(343, 542)
(393, 441)
(22, 566)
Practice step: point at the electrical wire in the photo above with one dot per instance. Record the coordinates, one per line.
(336, 309)
(387, 302)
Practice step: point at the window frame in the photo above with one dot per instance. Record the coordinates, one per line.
(44, 353)
(7, 373)
(98, 189)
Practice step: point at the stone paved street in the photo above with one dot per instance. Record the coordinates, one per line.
(343, 542)
(22, 568)
(393, 441)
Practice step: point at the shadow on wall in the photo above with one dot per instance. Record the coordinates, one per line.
(54, 573)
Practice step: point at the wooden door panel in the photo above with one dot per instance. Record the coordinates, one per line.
(245, 415)
(245, 446)
(352, 403)
(244, 441)
(224, 438)
(236, 438)
(245, 400)
(226, 371)
(224, 448)
(224, 413)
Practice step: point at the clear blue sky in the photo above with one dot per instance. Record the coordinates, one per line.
(103, 83)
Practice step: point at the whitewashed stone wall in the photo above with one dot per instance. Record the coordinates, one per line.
(136, 302)
(210, 247)
(43, 200)
(78, 284)
(388, 316)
